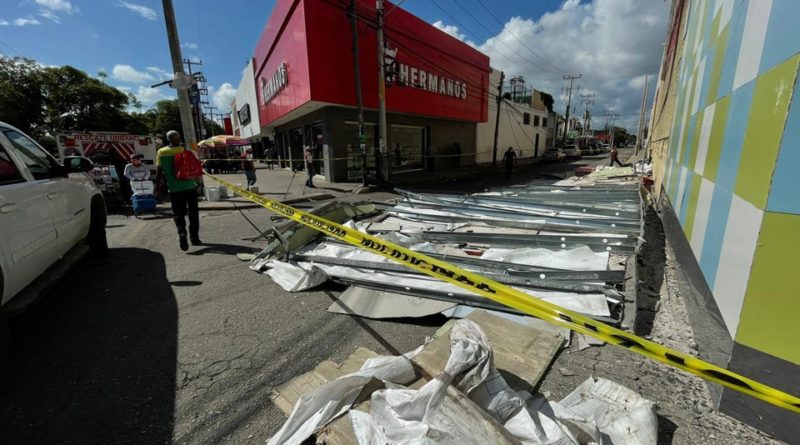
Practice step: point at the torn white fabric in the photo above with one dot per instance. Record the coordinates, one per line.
(295, 277)
(580, 258)
(325, 403)
(406, 416)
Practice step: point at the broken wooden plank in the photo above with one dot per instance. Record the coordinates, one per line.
(522, 354)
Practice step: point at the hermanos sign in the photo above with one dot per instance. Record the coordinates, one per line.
(425, 80)
(270, 88)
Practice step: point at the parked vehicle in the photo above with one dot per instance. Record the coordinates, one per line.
(554, 154)
(588, 145)
(571, 150)
(605, 148)
(51, 214)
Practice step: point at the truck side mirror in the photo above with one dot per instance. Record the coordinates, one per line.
(77, 164)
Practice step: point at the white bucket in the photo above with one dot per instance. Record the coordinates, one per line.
(213, 194)
(142, 187)
(254, 189)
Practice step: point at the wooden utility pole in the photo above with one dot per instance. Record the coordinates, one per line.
(180, 75)
(571, 78)
(362, 143)
(497, 118)
(640, 130)
(382, 128)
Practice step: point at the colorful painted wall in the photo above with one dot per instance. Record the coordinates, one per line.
(732, 161)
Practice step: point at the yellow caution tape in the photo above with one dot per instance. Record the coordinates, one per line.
(521, 301)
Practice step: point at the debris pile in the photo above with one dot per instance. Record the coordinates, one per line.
(472, 383)
(566, 244)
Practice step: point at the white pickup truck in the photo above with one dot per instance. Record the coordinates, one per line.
(51, 215)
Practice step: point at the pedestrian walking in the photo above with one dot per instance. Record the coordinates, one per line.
(249, 168)
(614, 155)
(509, 159)
(308, 157)
(172, 161)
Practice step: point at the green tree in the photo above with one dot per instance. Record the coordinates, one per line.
(75, 101)
(22, 102)
(213, 127)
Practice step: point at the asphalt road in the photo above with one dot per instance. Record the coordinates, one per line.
(153, 345)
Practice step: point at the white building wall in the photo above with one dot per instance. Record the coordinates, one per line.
(246, 94)
(513, 131)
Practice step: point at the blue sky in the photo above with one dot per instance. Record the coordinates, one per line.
(127, 38)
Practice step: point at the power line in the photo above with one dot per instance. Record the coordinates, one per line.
(558, 70)
(492, 36)
(12, 49)
(504, 56)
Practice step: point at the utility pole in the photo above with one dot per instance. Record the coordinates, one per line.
(177, 67)
(610, 117)
(640, 130)
(588, 99)
(362, 142)
(212, 113)
(382, 128)
(195, 89)
(571, 78)
(497, 119)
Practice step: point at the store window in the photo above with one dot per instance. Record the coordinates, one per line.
(544, 122)
(407, 147)
(535, 121)
(353, 149)
(526, 118)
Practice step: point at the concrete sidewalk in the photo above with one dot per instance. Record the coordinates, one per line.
(278, 184)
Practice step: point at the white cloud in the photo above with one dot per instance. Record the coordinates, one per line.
(50, 15)
(3, 22)
(129, 74)
(189, 45)
(50, 9)
(144, 11)
(450, 29)
(26, 21)
(57, 5)
(223, 97)
(149, 96)
(160, 73)
(612, 43)
(455, 32)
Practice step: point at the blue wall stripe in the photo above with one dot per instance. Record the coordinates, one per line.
(715, 233)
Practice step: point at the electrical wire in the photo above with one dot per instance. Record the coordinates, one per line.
(503, 55)
(560, 70)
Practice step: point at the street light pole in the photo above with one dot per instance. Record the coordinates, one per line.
(184, 104)
(382, 128)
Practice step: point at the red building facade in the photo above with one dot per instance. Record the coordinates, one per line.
(437, 89)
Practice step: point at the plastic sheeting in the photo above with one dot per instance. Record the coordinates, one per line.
(325, 403)
(598, 411)
(581, 258)
(299, 276)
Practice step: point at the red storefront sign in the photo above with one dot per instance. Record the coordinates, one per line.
(304, 57)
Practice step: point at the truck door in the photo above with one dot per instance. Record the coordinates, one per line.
(28, 239)
(64, 198)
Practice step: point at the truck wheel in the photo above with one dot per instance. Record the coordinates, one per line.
(96, 239)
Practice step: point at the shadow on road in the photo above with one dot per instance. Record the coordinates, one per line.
(223, 249)
(95, 362)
